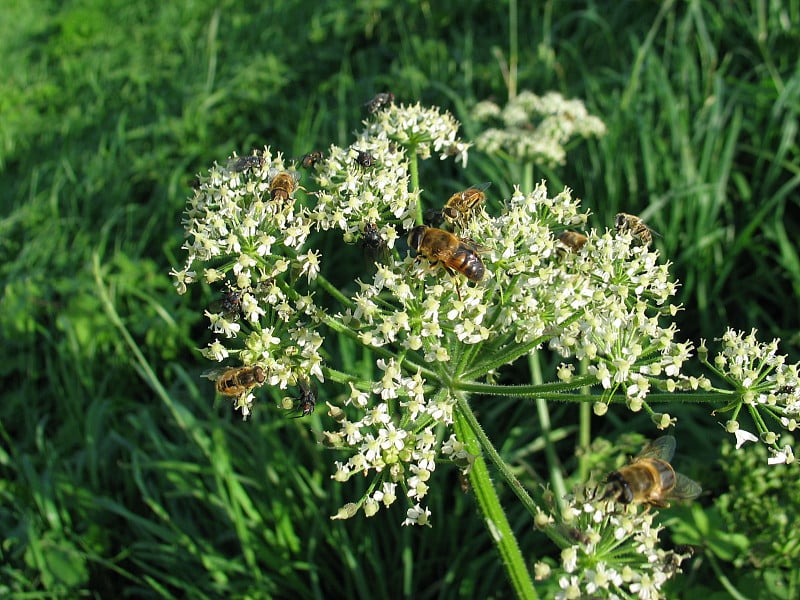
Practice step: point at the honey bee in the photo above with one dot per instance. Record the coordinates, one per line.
(462, 205)
(455, 254)
(245, 163)
(237, 381)
(365, 159)
(637, 228)
(379, 101)
(573, 240)
(309, 160)
(283, 184)
(650, 480)
(374, 245)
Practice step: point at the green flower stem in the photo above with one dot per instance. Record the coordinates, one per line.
(556, 391)
(585, 429)
(543, 412)
(413, 171)
(722, 578)
(340, 377)
(527, 177)
(513, 49)
(758, 419)
(469, 431)
(549, 390)
(334, 292)
(719, 397)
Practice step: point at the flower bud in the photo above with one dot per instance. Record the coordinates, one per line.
(347, 511)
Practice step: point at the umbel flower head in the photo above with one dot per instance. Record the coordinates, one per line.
(244, 228)
(433, 330)
(535, 128)
(608, 550)
(764, 385)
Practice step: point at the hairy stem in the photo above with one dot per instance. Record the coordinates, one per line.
(489, 503)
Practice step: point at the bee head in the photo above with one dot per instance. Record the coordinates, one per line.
(618, 488)
(416, 235)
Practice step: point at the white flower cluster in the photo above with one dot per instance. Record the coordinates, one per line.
(535, 128)
(394, 439)
(244, 227)
(435, 329)
(625, 291)
(425, 130)
(353, 195)
(614, 552)
(764, 384)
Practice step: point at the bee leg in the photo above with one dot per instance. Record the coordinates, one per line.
(455, 280)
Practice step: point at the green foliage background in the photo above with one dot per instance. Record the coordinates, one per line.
(122, 476)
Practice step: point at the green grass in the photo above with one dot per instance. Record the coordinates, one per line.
(120, 474)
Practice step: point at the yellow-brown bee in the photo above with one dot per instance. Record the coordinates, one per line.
(650, 480)
(283, 184)
(455, 254)
(237, 381)
(637, 228)
(379, 101)
(573, 240)
(461, 206)
(374, 245)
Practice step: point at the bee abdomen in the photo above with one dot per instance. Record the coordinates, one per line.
(468, 263)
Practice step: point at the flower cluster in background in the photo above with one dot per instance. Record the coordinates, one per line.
(535, 128)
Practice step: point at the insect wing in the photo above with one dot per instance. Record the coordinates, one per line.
(473, 245)
(685, 488)
(482, 187)
(662, 448)
(215, 374)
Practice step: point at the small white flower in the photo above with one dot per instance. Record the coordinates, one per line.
(743, 436)
(785, 456)
(417, 515)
